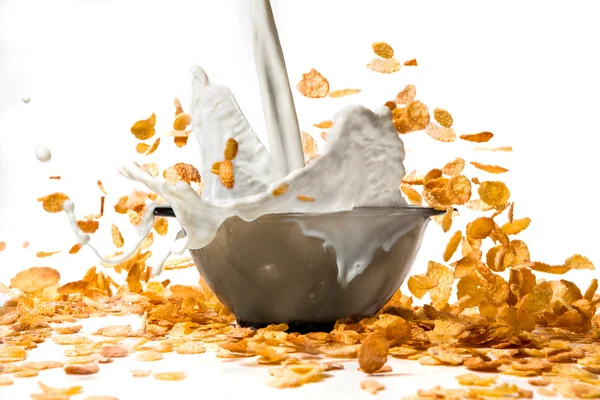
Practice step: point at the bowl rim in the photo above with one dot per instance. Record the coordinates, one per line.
(167, 211)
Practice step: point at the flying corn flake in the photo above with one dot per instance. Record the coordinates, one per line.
(413, 117)
(324, 124)
(516, 226)
(181, 121)
(44, 254)
(505, 148)
(383, 49)
(440, 133)
(226, 174)
(343, 93)
(444, 278)
(55, 177)
(231, 149)
(452, 245)
(493, 169)
(481, 137)
(53, 203)
(117, 238)
(391, 105)
(494, 193)
(144, 129)
(412, 195)
(313, 85)
(161, 226)
(384, 66)
(35, 279)
(454, 167)
(2, 246)
(305, 198)
(309, 147)
(411, 63)
(443, 117)
(178, 108)
(407, 94)
(141, 148)
(373, 352)
(88, 226)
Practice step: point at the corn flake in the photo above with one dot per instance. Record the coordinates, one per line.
(478, 137)
(144, 129)
(440, 133)
(313, 85)
(442, 117)
(384, 66)
(493, 169)
(412, 195)
(343, 93)
(406, 95)
(493, 193)
(452, 245)
(53, 203)
(383, 49)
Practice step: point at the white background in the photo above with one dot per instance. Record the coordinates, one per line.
(526, 71)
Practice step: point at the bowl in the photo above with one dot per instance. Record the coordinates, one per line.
(269, 271)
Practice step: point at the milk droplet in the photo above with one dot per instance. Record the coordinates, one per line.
(42, 153)
(26, 99)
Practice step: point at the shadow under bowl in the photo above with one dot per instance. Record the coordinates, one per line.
(269, 271)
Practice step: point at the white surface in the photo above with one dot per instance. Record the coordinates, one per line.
(525, 71)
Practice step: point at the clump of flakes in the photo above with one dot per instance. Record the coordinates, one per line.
(506, 321)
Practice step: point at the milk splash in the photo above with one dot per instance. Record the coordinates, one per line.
(361, 166)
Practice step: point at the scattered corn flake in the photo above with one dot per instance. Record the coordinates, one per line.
(591, 290)
(117, 238)
(539, 382)
(454, 168)
(169, 376)
(503, 148)
(53, 203)
(44, 254)
(343, 93)
(440, 133)
(85, 369)
(154, 146)
(578, 390)
(443, 278)
(478, 364)
(516, 226)
(187, 172)
(481, 137)
(25, 245)
(88, 226)
(324, 124)
(26, 373)
(141, 148)
(384, 66)
(452, 245)
(101, 187)
(493, 193)
(54, 177)
(305, 198)
(371, 386)
(34, 279)
(419, 285)
(140, 373)
(445, 355)
(406, 95)
(181, 121)
(180, 141)
(149, 355)
(373, 352)
(309, 147)
(578, 261)
(144, 129)
(226, 174)
(161, 226)
(281, 189)
(447, 220)
(191, 348)
(231, 149)
(411, 63)
(443, 117)
(414, 117)
(178, 108)
(5, 381)
(412, 195)
(114, 331)
(69, 391)
(41, 365)
(114, 351)
(476, 380)
(64, 330)
(313, 85)
(383, 49)
(492, 169)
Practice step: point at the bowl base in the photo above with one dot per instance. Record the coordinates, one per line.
(299, 327)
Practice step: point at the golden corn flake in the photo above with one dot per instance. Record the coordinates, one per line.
(493, 169)
(178, 108)
(384, 66)
(26, 373)
(170, 376)
(281, 189)
(117, 238)
(440, 133)
(447, 220)
(231, 149)
(459, 189)
(305, 198)
(144, 129)
(43, 254)
(406, 95)
(371, 386)
(579, 262)
(412, 195)
(478, 364)
(181, 121)
(34, 279)
(493, 193)
(516, 226)
(383, 49)
(191, 348)
(114, 351)
(5, 381)
(10, 353)
(63, 330)
(140, 373)
(343, 93)
(442, 117)
(454, 167)
(86, 369)
(153, 147)
(226, 174)
(413, 117)
(180, 141)
(481, 228)
(503, 148)
(53, 203)
(187, 172)
(150, 355)
(478, 137)
(88, 226)
(411, 63)
(100, 398)
(313, 85)
(373, 352)
(324, 124)
(443, 278)
(141, 148)
(452, 245)
(161, 225)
